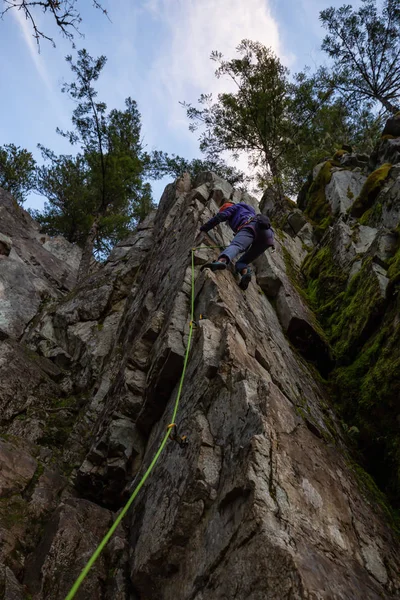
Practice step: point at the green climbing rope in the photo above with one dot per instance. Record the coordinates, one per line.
(125, 509)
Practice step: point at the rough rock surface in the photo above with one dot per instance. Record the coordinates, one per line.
(33, 267)
(263, 503)
(342, 190)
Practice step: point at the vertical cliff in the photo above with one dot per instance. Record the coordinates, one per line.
(266, 501)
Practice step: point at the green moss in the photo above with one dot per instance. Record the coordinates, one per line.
(325, 282)
(374, 495)
(318, 208)
(339, 153)
(364, 330)
(359, 304)
(372, 215)
(367, 392)
(12, 511)
(370, 190)
(394, 268)
(60, 422)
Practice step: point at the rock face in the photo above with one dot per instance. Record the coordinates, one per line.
(33, 267)
(265, 502)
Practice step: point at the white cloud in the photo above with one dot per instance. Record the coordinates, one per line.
(32, 48)
(193, 29)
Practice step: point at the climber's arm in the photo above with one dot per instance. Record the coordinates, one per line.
(219, 218)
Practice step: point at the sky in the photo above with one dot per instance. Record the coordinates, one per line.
(158, 52)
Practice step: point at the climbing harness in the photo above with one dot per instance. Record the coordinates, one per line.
(244, 224)
(171, 433)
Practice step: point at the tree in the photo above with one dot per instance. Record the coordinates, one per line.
(63, 180)
(365, 48)
(64, 13)
(333, 125)
(97, 196)
(276, 120)
(17, 171)
(254, 118)
(162, 164)
(283, 123)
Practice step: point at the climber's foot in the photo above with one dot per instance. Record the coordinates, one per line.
(246, 278)
(217, 265)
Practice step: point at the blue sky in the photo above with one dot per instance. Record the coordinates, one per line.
(158, 53)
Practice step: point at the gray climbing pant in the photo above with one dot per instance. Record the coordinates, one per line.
(253, 241)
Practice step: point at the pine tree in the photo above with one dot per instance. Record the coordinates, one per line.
(17, 171)
(96, 196)
(365, 48)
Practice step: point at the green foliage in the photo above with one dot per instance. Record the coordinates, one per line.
(17, 171)
(370, 190)
(253, 119)
(284, 124)
(364, 46)
(97, 196)
(317, 207)
(332, 124)
(64, 182)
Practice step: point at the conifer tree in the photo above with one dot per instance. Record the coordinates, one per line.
(17, 171)
(96, 196)
(365, 47)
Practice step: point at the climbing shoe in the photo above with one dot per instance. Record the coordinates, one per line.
(245, 280)
(215, 266)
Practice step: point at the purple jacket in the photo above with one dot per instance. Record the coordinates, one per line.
(236, 216)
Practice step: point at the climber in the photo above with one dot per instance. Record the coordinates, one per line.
(253, 236)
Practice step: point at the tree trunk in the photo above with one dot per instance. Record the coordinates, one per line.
(388, 105)
(87, 252)
(276, 175)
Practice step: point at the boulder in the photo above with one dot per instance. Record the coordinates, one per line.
(392, 126)
(295, 221)
(343, 188)
(221, 190)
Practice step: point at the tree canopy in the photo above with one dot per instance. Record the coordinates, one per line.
(365, 47)
(17, 171)
(282, 123)
(97, 196)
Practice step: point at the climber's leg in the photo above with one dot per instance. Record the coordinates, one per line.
(242, 240)
(261, 242)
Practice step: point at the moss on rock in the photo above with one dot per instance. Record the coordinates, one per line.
(367, 392)
(370, 190)
(360, 306)
(325, 282)
(318, 208)
(339, 153)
